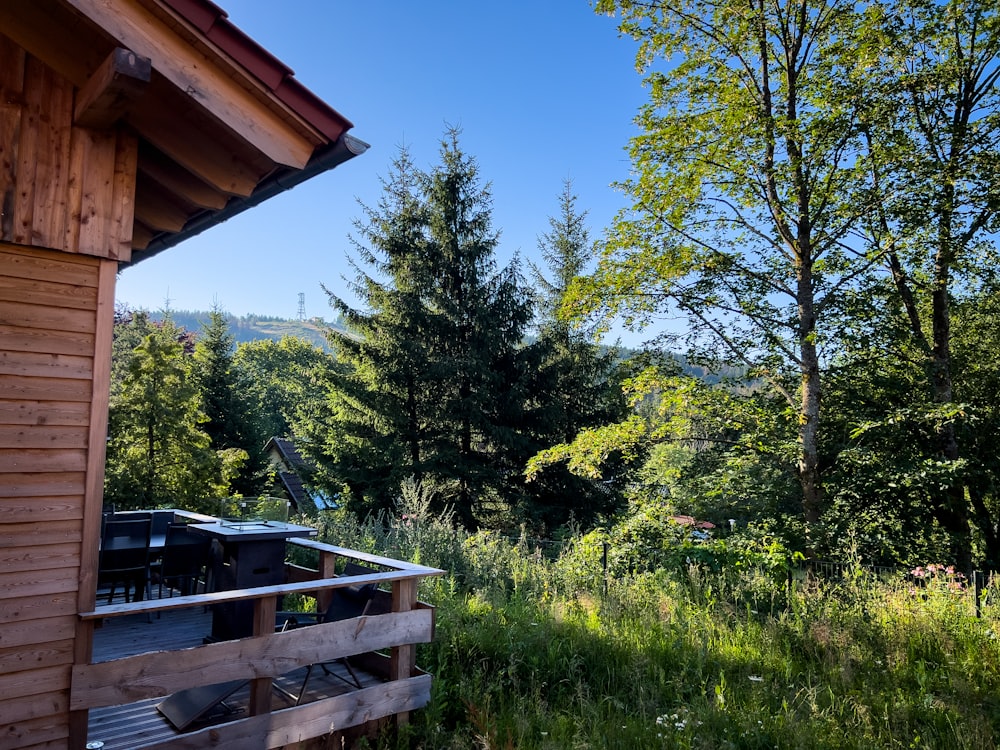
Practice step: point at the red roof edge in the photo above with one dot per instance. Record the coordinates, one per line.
(213, 22)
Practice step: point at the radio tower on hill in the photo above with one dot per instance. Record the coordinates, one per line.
(302, 305)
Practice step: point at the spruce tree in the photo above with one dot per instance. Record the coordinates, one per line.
(478, 321)
(573, 382)
(158, 454)
(428, 383)
(222, 400)
(378, 409)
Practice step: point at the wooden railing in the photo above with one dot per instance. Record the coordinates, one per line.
(397, 624)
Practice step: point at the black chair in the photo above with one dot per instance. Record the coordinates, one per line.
(346, 602)
(184, 562)
(125, 555)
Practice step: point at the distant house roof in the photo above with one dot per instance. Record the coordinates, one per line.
(289, 462)
(692, 521)
(286, 451)
(222, 125)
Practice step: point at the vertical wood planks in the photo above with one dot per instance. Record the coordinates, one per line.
(264, 612)
(61, 186)
(12, 60)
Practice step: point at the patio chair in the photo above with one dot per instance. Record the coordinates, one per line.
(346, 602)
(125, 556)
(184, 561)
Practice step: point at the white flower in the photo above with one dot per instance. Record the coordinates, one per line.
(756, 678)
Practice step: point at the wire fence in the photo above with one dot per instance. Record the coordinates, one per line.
(978, 581)
(830, 570)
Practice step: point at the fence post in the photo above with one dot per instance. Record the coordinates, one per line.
(604, 565)
(977, 584)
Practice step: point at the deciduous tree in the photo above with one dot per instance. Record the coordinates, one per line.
(747, 187)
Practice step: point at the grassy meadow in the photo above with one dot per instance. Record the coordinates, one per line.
(537, 648)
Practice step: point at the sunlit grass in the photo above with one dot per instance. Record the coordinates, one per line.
(530, 653)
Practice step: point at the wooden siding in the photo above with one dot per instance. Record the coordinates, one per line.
(61, 187)
(49, 318)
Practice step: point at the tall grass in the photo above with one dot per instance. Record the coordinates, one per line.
(535, 652)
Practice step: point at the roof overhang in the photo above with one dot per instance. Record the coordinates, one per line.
(222, 125)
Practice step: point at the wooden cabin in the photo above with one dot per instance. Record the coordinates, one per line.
(127, 126)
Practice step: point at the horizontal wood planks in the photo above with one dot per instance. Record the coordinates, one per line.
(61, 186)
(294, 725)
(48, 329)
(160, 673)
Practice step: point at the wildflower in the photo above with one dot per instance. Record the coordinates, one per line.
(756, 678)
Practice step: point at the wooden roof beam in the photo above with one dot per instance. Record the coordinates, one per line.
(141, 236)
(155, 209)
(178, 181)
(200, 77)
(175, 127)
(109, 93)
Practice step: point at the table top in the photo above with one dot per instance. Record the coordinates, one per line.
(251, 531)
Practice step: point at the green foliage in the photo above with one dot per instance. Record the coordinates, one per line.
(746, 170)
(573, 385)
(430, 382)
(693, 657)
(229, 423)
(157, 453)
(281, 383)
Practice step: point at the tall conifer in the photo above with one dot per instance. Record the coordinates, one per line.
(428, 384)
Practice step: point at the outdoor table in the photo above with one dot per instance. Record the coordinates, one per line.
(248, 554)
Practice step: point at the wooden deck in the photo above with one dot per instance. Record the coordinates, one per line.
(140, 724)
(144, 653)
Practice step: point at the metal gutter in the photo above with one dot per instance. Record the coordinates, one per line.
(343, 149)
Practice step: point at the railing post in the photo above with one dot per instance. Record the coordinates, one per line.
(403, 659)
(327, 569)
(265, 611)
(83, 648)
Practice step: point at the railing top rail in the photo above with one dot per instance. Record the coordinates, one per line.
(364, 556)
(235, 595)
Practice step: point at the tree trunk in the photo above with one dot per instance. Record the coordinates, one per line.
(809, 473)
(951, 509)
(986, 525)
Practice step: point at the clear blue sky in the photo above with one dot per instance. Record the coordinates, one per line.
(543, 91)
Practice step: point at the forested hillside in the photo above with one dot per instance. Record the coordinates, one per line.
(255, 327)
